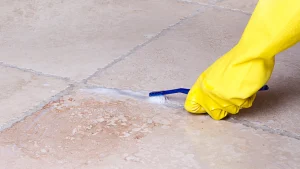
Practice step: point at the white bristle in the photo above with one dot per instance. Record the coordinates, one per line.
(157, 99)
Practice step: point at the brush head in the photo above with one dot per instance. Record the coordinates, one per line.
(159, 99)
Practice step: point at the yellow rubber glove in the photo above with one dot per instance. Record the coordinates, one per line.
(231, 83)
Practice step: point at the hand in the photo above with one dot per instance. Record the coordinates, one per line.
(231, 83)
(201, 100)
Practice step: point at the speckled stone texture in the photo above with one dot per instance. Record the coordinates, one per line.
(88, 129)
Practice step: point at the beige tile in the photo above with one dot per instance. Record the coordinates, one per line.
(23, 91)
(101, 129)
(74, 38)
(279, 107)
(177, 58)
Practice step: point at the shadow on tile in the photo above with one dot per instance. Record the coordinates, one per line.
(282, 98)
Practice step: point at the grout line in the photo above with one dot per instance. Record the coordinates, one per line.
(140, 46)
(29, 112)
(265, 128)
(34, 72)
(140, 95)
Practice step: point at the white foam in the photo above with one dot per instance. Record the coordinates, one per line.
(157, 99)
(128, 93)
(115, 92)
(101, 91)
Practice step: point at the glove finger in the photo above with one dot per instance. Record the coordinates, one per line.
(213, 108)
(217, 114)
(193, 106)
(248, 102)
(194, 98)
(199, 102)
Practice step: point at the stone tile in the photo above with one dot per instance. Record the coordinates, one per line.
(23, 91)
(75, 38)
(94, 128)
(279, 107)
(177, 58)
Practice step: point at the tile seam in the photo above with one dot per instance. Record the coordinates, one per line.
(265, 128)
(5, 65)
(34, 109)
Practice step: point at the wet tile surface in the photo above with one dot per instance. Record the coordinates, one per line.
(88, 129)
(23, 91)
(75, 38)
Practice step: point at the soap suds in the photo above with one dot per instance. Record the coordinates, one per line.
(128, 93)
(157, 99)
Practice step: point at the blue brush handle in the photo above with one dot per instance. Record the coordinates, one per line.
(165, 92)
(186, 91)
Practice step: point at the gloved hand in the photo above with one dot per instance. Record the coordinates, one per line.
(231, 83)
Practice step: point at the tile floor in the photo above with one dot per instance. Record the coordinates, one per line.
(75, 77)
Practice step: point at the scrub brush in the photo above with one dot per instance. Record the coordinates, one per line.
(185, 91)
